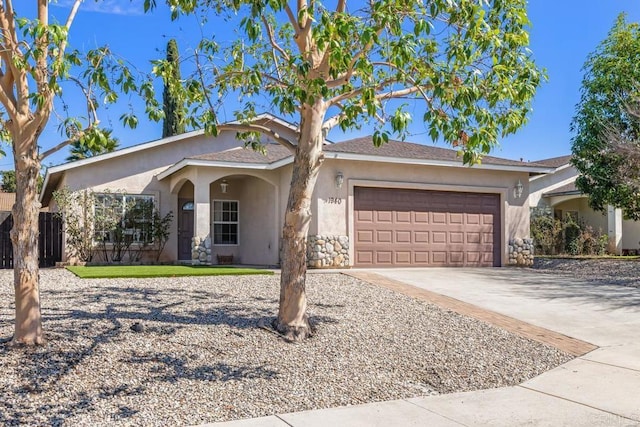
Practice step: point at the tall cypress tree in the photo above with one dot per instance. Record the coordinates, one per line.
(173, 113)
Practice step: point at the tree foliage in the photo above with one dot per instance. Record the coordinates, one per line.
(466, 61)
(464, 64)
(606, 145)
(173, 110)
(8, 184)
(100, 142)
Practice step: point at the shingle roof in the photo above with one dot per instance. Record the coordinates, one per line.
(565, 189)
(408, 150)
(555, 162)
(274, 152)
(363, 146)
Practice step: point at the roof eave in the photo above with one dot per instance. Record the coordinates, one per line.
(430, 162)
(231, 165)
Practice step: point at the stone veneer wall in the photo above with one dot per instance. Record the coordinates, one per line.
(201, 250)
(521, 252)
(327, 251)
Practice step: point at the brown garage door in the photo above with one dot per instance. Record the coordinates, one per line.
(398, 227)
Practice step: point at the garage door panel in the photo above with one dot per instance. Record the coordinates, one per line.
(456, 257)
(439, 218)
(421, 237)
(364, 257)
(456, 237)
(399, 227)
(421, 257)
(384, 216)
(474, 257)
(364, 236)
(473, 219)
(439, 237)
(421, 217)
(384, 236)
(403, 217)
(403, 236)
(438, 257)
(364, 216)
(403, 257)
(384, 257)
(473, 237)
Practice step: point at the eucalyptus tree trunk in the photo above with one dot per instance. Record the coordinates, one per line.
(24, 236)
(292, 321)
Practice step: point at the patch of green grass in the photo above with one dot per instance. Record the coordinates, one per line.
(139, 271)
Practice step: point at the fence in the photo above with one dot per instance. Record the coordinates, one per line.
(49, 240)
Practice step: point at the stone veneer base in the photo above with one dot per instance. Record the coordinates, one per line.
(327, 251)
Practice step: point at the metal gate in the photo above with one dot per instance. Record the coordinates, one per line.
(49, 240)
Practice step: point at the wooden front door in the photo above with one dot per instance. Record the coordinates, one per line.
(185, 228)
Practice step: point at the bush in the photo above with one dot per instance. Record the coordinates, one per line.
(553, 236)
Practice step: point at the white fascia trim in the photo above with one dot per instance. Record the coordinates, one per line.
(425, 162)
(123, 151)
(271, 117)
(212, 163)
(558, 169)
(156, 143)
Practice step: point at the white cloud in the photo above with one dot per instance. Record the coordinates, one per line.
(111, 7)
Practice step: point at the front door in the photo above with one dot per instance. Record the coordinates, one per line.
(185, 228)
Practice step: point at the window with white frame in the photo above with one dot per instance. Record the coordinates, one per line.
(225, 222)
(123, 217)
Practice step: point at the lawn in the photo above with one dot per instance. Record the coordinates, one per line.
(126, 271)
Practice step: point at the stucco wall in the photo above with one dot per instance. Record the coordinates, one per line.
(545, 183)
(597, 220)
(630, 234)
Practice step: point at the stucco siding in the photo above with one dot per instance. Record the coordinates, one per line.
(545, 183)
(630, 234)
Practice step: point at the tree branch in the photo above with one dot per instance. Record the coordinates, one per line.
(272, 39)
(250, 127)
(292, 19)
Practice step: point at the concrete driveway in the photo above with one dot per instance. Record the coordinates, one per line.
(600, 388)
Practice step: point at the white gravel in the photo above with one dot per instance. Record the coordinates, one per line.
(201, 357)
(604, 271)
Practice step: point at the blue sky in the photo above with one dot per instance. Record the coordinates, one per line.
(564, 32)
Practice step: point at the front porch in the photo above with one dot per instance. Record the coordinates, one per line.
(226, 216)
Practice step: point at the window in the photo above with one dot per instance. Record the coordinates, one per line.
(123, 217)
(225, 222)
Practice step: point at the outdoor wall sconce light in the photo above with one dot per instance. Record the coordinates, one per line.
(339, 180)
(224, 186)
(517, 190)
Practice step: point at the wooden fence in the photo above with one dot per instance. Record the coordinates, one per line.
(49, 240)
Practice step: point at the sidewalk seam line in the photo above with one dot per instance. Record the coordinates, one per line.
(577, 403)
(608, 364)
(434, 412)
(280, 418)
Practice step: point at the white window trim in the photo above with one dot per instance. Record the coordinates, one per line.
(123, 196)
(214, 222)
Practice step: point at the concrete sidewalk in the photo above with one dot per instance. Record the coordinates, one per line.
(599, 388)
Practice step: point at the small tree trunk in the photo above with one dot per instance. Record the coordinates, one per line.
(24, 236)
(292, 321)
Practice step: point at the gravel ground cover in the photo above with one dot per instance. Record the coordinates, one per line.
(606, 271)
(201, 357)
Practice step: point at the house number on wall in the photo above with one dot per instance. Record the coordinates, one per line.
(333, 200)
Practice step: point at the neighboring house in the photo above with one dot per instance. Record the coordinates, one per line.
(402, 204)
(557, 191)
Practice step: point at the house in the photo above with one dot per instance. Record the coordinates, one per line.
(402, 204)
(557, 191)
